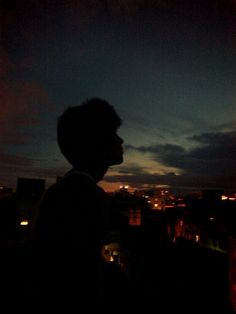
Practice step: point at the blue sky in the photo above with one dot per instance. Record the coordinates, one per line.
(168, 67)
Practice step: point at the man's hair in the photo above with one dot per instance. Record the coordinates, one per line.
(80, 127)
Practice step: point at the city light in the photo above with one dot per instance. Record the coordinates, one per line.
(24, 223)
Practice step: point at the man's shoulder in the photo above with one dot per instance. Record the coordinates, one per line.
(74, 185)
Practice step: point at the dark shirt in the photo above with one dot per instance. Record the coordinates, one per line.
(71, 226)
(73, 222)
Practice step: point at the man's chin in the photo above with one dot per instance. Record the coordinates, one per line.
(117, 161)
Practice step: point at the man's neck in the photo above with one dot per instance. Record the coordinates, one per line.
(96, 173)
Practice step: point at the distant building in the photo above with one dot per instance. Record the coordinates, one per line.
(5, 192)
(212, 196)
(30, 187)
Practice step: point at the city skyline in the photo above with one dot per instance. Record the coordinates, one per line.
(168, 67)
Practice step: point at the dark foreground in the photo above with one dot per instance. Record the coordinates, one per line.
(181, 277)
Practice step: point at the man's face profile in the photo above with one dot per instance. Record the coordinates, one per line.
(116, 150)
(111, 150)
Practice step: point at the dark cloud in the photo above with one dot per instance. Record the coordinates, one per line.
(212, 163)
(214, 154)
(15, 160)
(183, 182)
(131, 168)
(171, 180)
(14, 166)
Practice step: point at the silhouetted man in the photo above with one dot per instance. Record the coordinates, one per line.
(73, 221)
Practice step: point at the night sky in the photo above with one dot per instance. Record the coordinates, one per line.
(167, 66)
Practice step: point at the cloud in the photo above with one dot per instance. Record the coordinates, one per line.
(15, 160)
(211, 163)
(13, 166)
(215, 154)
(184, 182)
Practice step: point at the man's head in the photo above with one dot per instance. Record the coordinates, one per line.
(87, 134)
